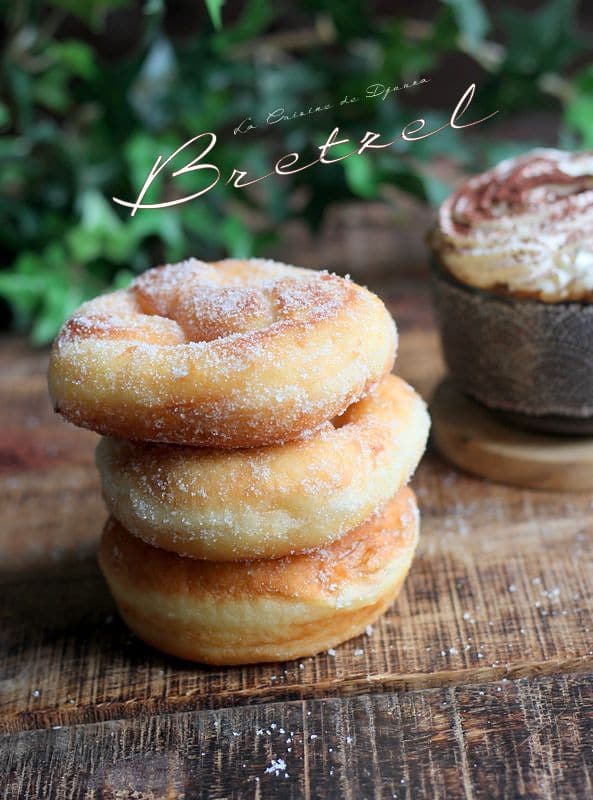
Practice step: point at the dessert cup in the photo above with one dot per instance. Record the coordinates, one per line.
(529, 362)
(513, 288)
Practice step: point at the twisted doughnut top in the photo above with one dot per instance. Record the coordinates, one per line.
(239, 353)
(525, 227)
(194, 301)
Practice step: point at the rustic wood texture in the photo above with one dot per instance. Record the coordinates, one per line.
(498, 740)
(474, 439)
(502, 587)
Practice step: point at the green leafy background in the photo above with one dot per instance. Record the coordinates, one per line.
(92, 92)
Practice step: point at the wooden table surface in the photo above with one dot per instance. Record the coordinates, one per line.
(478, 683)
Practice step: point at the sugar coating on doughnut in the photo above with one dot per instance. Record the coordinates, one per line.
(268, 502)
(237, 353)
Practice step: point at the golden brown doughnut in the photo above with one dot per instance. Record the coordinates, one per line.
(239, 613)
(239, 353)
(270, 501)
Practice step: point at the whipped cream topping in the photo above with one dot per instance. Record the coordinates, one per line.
(525, 226)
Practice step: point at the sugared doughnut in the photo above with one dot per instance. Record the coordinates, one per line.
(238, 353)
(268, 610)
(270, 501)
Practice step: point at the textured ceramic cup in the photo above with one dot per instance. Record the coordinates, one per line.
(514, 288)
(529, 361)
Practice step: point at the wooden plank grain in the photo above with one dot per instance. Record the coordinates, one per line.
(511, 739)
(502, 585)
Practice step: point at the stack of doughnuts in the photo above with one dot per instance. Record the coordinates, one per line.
(255, 456)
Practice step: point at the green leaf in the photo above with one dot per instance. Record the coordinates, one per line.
(122, 279)
(67, 288)
(140, 153)
(22, 286)
(45, 289)
(471, 18)
(51, 90)
(238, 239)
(361, 176)
(102, 234)
(255, 17)
(403, 58)
(578, 114)
(215, 10)
(76, 56)
(544, 40)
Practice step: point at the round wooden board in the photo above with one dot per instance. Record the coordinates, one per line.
(476, 441)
